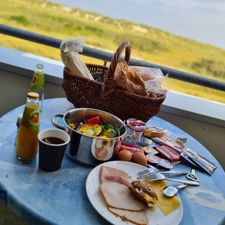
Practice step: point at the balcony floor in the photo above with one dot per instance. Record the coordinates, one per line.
(7, 217)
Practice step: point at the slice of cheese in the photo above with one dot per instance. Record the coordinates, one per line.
(167, 205)
(138, 218)
(119, 196)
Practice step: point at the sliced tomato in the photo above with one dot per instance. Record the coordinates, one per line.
(94, 120)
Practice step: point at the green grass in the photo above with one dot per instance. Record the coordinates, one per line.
(149, 44)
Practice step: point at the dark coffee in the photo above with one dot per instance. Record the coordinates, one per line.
(53, 140)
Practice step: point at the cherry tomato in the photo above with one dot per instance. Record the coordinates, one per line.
(94, 120)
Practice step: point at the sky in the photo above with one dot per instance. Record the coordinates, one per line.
(202, 20)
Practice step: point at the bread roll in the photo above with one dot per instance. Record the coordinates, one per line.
(129, 81)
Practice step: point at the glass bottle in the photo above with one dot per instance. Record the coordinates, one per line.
(38, 82)
(27, 137)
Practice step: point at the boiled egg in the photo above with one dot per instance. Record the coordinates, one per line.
(125, 155)
(140, 158)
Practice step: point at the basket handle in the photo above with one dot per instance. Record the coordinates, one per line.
(124, 45)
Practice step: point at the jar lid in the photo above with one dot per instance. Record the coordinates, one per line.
(40, 66)
(33, 95)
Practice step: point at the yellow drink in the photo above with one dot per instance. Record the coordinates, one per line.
(27, 139)
(26, 144)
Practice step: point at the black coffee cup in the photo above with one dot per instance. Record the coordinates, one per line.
(52, 146)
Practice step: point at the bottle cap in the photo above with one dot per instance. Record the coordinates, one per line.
(40, 66)
(33, 95)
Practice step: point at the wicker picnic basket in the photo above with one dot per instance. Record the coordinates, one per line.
(101, 93)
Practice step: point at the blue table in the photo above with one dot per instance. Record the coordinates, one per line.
(60, 198)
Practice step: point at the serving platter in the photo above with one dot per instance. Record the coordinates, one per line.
(97, 201)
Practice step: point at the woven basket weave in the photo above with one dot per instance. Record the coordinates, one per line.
(101, 93)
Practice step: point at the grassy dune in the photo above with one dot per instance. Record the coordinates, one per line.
(101, 32)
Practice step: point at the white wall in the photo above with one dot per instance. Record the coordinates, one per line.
(14, 87)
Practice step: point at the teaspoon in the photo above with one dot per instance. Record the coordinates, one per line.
(171, 191)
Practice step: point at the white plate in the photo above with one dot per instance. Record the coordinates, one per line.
(94, 196)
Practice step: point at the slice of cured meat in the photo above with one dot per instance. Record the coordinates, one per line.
(111, 174)
(119, 196)
(138, 218)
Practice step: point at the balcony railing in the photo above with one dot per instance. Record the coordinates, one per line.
(106, 57)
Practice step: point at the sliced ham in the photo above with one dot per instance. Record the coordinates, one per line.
(138, 218)
(119, 196)
(114, 175)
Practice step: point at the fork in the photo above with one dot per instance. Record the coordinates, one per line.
(154, 170)
(151, 169)
(148, 169)
(159, 176)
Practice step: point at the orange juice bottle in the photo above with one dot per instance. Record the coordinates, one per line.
(27, 138)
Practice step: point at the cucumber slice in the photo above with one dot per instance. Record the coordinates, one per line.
(97, 129)
(89, 132)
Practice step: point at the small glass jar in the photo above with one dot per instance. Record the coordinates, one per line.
(136, 128)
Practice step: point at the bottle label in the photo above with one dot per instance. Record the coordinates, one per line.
(31, 117)
(37, 81)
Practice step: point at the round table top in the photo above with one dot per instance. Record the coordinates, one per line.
(60, 198)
